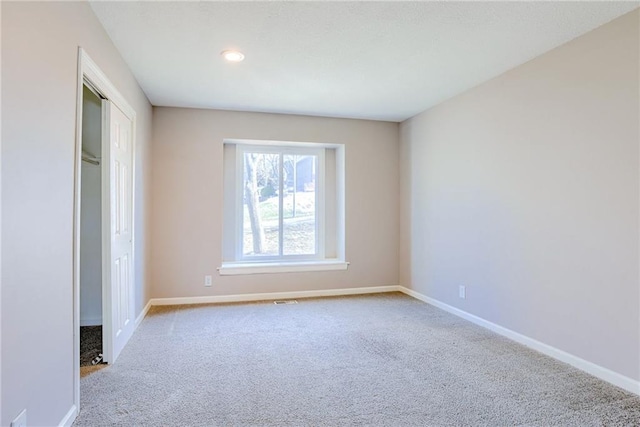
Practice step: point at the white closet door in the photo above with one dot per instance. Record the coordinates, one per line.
(118, 295)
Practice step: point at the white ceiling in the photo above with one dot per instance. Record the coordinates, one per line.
(374, 60)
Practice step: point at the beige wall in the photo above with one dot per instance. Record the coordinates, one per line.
(188, 193)
(526, 189)
(39, 77)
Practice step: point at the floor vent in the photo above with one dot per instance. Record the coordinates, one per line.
(291, 301)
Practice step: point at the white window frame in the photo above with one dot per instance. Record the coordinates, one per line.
(319, 202)
(264, 264)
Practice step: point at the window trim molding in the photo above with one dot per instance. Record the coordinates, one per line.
(259, 265)
(241, 268)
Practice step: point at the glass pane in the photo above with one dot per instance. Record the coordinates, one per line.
(299, 205)
(261, 229)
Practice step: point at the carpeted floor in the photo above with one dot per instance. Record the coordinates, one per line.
(376, 360)
(90, 344)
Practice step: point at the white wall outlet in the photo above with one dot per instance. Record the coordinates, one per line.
(20, 420)
(462, 291)
(208, 281)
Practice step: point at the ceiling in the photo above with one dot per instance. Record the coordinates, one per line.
(372, 60)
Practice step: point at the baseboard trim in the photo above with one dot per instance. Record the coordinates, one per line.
(268, 296)
(598, 371)
(143, 313)
(70, 417)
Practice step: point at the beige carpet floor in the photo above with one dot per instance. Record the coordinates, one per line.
(375, 360)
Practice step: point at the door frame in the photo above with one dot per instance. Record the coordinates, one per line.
(90, 74)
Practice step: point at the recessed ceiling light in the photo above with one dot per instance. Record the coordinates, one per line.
(232, 55)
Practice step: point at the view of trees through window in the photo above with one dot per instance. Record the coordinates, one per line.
(279, 204)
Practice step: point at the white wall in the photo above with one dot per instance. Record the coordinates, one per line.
(187, 220)
(91, 214)
(526, 190)
(39, 80)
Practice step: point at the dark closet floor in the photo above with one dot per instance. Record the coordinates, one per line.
(90, 344)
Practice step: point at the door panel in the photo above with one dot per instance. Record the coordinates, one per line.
(118, 209)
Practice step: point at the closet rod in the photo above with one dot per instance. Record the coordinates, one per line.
(93, 161)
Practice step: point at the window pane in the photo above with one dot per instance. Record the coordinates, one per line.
(261, 205)
(299, 205)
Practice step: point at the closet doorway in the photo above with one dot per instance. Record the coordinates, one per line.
(104, 264)
(91, 336)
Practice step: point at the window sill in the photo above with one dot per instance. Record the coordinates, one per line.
(235, 268)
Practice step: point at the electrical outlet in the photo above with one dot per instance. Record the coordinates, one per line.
(208, 281)
(462, 291)
(20, 420)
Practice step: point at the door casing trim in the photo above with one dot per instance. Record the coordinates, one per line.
(90, 74)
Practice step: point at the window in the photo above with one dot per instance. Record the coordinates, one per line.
(284, 207)
(281, 197)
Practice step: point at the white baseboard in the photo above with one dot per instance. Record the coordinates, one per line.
(90, 321)
(273, 296)
(70, 417)
(142, 314)
(598, 371)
